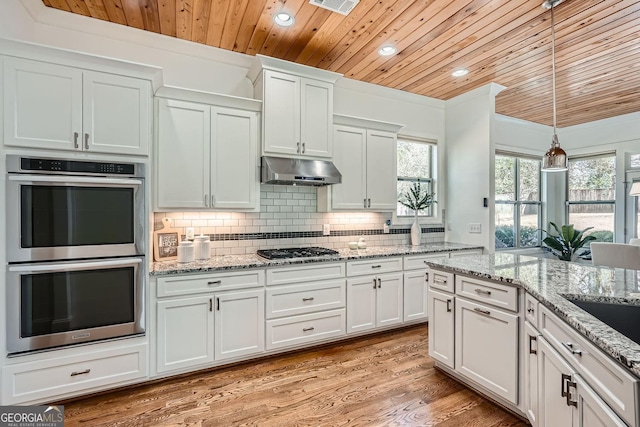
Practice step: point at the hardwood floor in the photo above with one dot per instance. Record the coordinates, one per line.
(382, 380)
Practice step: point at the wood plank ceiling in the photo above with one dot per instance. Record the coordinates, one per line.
(506, 42)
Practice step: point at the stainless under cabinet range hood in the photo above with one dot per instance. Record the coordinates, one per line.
(285, 171)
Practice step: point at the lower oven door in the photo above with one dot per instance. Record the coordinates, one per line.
(57, 304)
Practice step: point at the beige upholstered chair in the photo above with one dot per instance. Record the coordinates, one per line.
(615, 255)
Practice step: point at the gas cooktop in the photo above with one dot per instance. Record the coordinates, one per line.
(295, 253)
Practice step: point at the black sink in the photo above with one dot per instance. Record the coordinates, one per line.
(623, 318)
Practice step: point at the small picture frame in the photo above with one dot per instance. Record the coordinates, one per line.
(165, 245)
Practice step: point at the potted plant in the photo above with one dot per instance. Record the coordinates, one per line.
(416, 199)
(567, 241)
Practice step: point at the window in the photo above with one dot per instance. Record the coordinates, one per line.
(591, 195)
(415, 164)
(517, 186)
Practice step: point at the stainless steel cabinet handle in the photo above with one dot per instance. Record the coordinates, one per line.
(218, 304)
(86, 141)
(369, 203)
(75, 140)
(374, 283)
(364, 203)
(530, 310)
(567, 393)
(210, 304)
(426, 277)
(213, 200)
(303, 147)
(481, 311)
(308, 299)
(448, 306)
(76, 373)
(531, 339)
(214, 282)
(564, 378)
(298, 149)
(569, 346)
(206, 200)
(440, 282)
(425, 262)
(379, 283)
(308, 329)
(376, 266)
(482, 292)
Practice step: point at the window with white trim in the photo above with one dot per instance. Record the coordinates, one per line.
(591, 196)
(416, 159)
(517, 197)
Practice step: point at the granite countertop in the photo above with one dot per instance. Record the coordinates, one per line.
(239, 262)
(550, 281)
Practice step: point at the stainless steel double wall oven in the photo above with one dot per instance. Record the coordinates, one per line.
(75, 248)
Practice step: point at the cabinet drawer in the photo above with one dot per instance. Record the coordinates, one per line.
(496, 294)
(51, 379)
(469, 252)
(297, 330)
(612, 382)
(441, 280)
(304, 273)
(373, 266)
(308, 298)
(531, 310)
(420, 261)
(187, 285)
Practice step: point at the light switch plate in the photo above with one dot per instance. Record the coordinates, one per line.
(475, 227)
(326, 229)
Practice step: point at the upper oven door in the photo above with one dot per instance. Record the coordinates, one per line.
(53, 217)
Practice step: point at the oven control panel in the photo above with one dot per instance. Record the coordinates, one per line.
(75, 166)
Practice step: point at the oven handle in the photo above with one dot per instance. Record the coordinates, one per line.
(73, 179)
(75, 265)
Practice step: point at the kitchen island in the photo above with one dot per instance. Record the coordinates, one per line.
(545, 339)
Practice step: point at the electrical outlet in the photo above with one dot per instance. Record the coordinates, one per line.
(189, 233)
(385, 228)
(326, 229)
(475, 227)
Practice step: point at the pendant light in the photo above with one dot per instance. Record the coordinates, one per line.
(554, 160)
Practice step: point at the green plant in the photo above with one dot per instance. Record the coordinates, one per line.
(416, 199)
(568, 240)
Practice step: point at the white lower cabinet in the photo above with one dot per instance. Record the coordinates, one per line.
(441, 327)
(239, 324)
(374, 301)
(486, 347)
(208, 318)
(565, 399)
(530, 373)
(184, 333)
(415, 295)
(72, 375)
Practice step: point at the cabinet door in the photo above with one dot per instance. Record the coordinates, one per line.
(281, 109)
(350, 159)
(487, 347)
(530, 374)
(552, 405)
(182, 175)
(185, 333)
(592, 411)
(234, 167)
(415, 295)
(361, 304)
(116, 114)
(441, 327)
(42, 105)
(389, 299)
(382, 190)
(239, 324)
(316, 118)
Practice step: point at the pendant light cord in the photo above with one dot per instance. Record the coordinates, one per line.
(553, 71)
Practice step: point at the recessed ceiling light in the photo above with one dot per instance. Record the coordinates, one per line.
(283, 19)
(387, 50)
(461, 72)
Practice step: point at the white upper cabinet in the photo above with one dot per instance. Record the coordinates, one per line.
(297, 108)
(57, 107)
(206, 155)
(365, 154)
